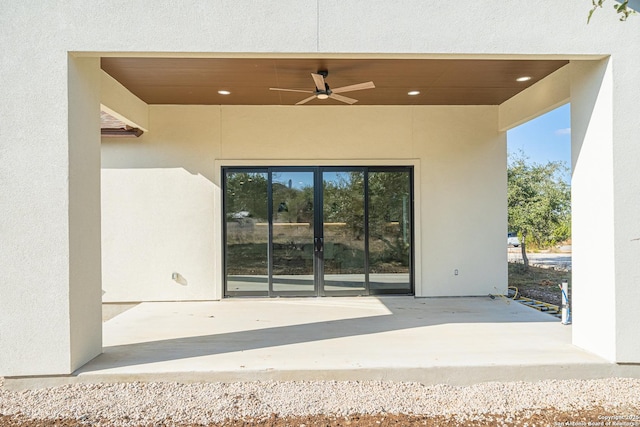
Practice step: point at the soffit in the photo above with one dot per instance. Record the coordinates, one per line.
(440, 81)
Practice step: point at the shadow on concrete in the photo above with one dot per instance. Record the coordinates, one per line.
(405, 313)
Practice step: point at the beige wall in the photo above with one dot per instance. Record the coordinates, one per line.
(315, 132)
(158, 208)
(161, 199)
(463, 199)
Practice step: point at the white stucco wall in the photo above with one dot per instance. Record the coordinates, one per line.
(36, 146)
(84, 310)
(159, 202)
(625, 92)
(50, 312)
(592, 202)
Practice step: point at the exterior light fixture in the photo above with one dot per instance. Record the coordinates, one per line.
(413, 93)
(523, 79)
(224, 92)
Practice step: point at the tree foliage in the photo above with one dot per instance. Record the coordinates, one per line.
(389, 205)
(621, 7)
(539, 202)
(389, 221)
(247, 192)
(390, 202)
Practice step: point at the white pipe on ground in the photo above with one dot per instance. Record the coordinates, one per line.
(566, 312)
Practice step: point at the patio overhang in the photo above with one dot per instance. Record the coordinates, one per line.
(246, 81)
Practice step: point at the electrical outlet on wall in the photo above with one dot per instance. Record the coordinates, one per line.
(179, 278)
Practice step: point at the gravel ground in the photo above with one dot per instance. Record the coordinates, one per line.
(309, 403)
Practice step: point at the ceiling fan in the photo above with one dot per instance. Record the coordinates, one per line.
(323, 91)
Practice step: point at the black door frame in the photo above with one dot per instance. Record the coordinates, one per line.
(318, 226)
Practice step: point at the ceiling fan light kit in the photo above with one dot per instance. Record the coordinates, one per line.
(323, 91)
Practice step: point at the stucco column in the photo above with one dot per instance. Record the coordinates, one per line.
(626, 192)
(50, 310)
(606, 209)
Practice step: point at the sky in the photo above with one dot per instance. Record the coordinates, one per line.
(545, 138)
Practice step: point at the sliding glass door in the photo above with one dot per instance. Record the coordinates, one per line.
(292, 232)
(315, 231)
(390, 231)
(343, 232)
(246, 219)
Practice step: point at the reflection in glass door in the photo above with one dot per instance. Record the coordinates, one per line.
(293, 232)
(246, 233)
(390, 231)
(343, 227)
(302, 231)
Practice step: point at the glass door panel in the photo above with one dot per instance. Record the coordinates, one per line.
(247, 233)
(293, 231)
(343, 221)
(390, 231)
(304, 231)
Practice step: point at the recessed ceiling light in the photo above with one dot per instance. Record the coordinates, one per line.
(523, 79)
(224, 92)
(413, 93)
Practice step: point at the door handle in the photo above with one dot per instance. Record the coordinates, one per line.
(319, 244)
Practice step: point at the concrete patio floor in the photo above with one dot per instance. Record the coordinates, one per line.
(438, 340)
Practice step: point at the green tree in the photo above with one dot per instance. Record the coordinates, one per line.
(390, 203)
(539, 203)
(344, 202)
(389, 211)
(247, 192)
(621, 7)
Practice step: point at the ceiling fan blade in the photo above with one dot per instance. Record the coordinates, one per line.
(359, 86)
(343, 99)
(291, 90)
(304, 101)
(319, 81)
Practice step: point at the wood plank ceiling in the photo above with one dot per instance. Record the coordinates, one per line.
(440, 81)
